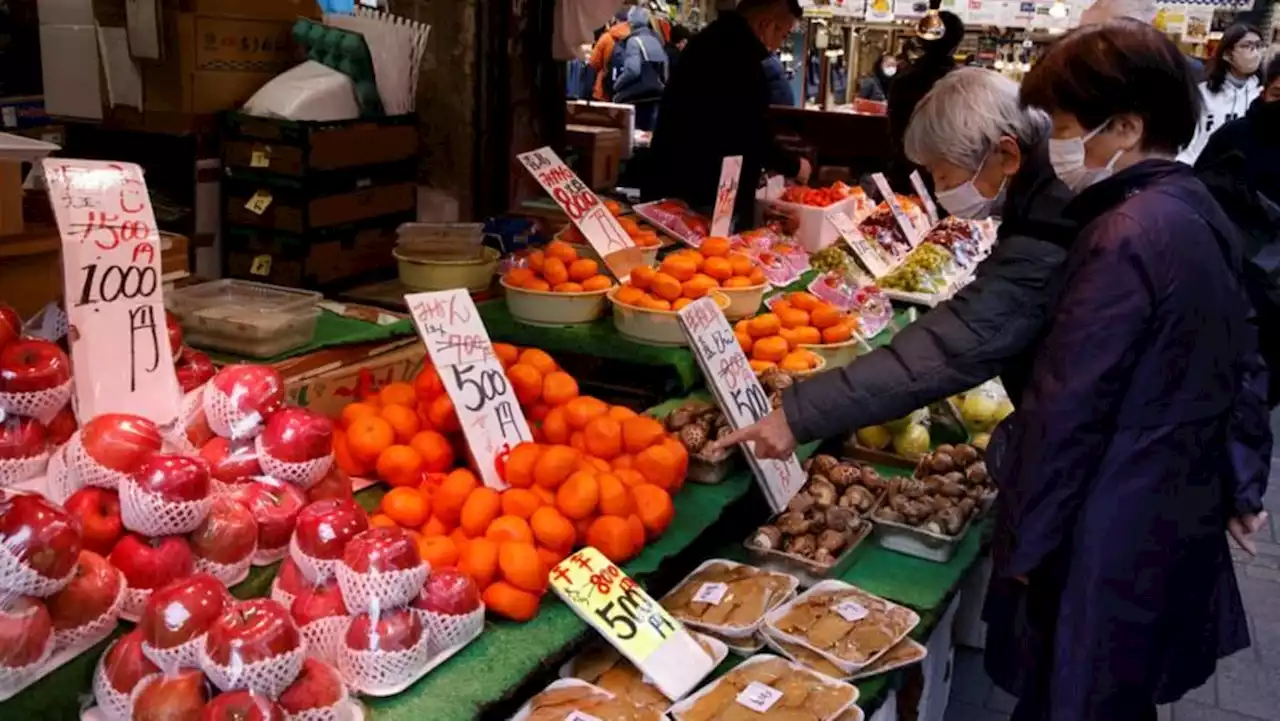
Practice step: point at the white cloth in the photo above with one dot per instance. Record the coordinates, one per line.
(1218, 109)
(576, 22)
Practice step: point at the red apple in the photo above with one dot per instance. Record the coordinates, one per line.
(10, 325)
(290, 578)
(228, 534)
(25, 630)
(21, 437)
(125, 664)
(231, 461)
(318, 686)
(149, 563)
(194, 369)
(174, 330)
(297, 435)
(448, 591)
(275, 507)
(182, 610)
(381, 549)
(253, 389)
(252, 631)
(62, 426)
(98, 511)
(391, 629)
(176, 479)
(91, 593)
(177, 697)
(33, 364)
(324, 527)
(317, 602)
(198, 431)
(241, 706)
(335, 484)
(120, 441)
(39, 534)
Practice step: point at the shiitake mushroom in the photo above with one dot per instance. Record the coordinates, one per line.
(803, 545)
(844, 474)
(793, 523)
(858, 498)
(871, 478)
(824, 557)
(841, 519)
(824, 494)
(801, 502)
(767, 537)
(976, 473)
(823, 463)
(832, 540)
(946, 448)
(964, 454)
(888, 514)
(941, 462)
(952, 520)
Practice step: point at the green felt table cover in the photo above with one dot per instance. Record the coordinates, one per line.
(332, 330)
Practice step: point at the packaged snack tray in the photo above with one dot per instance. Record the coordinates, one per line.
(571, 698)
(768, 688)
(844, 624)
(727, 598)
(600, 664)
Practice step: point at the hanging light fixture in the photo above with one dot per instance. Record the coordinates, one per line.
(1058, 9)
(931, 26)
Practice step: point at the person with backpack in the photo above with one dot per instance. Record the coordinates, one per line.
(1233, 83)
(602, 54)
(638, 69)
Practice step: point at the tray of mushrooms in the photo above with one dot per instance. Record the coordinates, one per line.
(814, 538)
(698, 424)
(928, 514)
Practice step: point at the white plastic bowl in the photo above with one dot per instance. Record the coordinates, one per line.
(549, 308)
(422, 272)
(836, 355)
(653, 327)
(744, 302)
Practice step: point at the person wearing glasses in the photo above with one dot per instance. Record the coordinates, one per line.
(1232, 86)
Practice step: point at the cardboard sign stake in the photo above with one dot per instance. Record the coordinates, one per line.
(726, 195)
(909, 229)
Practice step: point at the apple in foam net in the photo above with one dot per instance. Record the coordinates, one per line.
(297, 435)
(92, 592)
(182, 610)
(242, 706)
(231, 461)
(227, 535)
(180, 696)
(21, 437)
(381, 550)
(290, 578)
(448, 591)
(61, 426)
(253, 389)
(194, 369)
(335, 484)
(198, 432)
(317, 686)
(150, 563)
(33, 364)
(120, 441)
(176, 479)
(324, 528)
(98, 511)
(42, 536)
(316, 602)
(10, 325)
(275, 507)
(125, 664)
(391, 629)
(25, 630)
(252, 631)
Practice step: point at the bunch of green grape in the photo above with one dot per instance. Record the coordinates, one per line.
(831, 258)
(922, 271)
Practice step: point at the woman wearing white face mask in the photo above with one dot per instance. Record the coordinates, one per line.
(1233, 84)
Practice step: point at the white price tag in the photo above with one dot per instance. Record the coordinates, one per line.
(738, 392)
(712, 593)
(930, 209)
(866, 250)
(576, 715)
(260, 158)
(112, 289)
(758, 697)
(584, 208)
(459, 346)
(259, 202)
(726, 194)
(900, 215)
(851, 611)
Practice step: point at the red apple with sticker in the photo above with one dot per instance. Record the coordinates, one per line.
(98, 512)
(227, 535)
(120, 441)
(323, 528)
(150, 563)
(91, 594)
(10, 325)
(40, 535)
(174, 478)
(242, 706)
(275, 507)
(390, 629)
(317, 602)
(21, 437)
(250, 632)
(125, 665)
(254, 390)
(180, 696)
(183, 610)
(448, 591)
(32, 364)
(25, 631)
(381, 550)
(318, 686)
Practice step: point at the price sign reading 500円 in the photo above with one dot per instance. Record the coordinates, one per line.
(638, 626)
(459, 347)
(112, 289)
(738, 392)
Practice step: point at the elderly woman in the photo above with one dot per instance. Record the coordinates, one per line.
(987, 156)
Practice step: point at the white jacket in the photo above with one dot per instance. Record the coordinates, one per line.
(1220, 108)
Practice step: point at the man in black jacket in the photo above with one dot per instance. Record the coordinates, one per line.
(714, 107)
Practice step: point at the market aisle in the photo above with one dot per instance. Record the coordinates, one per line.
(1247, 685)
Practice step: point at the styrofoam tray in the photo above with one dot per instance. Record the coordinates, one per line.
(432, 664)
(849, 667)
(734, 631)
(526, 710)
(916, 647)
(719, 652)
(686, 704)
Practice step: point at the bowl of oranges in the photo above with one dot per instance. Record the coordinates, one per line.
(798, 326)
(647, 317)
(555, 287)
(646, 239)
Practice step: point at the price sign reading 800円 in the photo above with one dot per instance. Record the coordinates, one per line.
(738, 392)
(459, 347)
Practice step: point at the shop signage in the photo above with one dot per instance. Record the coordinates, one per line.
(637, 625)
(899, 214)
(584, 208)
(866, 250)
(112, 288)
(726, 194)
(738, 392)
(459, 347)
(926, 200)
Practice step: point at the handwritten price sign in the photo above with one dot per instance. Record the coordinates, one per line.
(738, 392)
(909, 228)
(638, 626)
(868, 252)
(930, 209)
(112, 288)
(459, 347)
(726, 194)
(586, 211)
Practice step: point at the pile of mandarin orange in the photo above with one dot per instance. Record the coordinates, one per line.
(557, 268)
(642, 236)
(776, 338)
(598, 475)
(686, 275)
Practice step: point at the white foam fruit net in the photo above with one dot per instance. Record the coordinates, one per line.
(149, 514)
(340, 711)
(95, 630)
(267, 556)
(324, 637)
(87, 471)
(135, 599)
(60, 482)
(229, 574)
(388, 589)
(19, 578)
(378, 672)
(316, 570)
(448, 630)
(169, 660)
(270, 676)
(225, 418)
(116, 705)
(303, 475)
(40, 405)
(14, 678)
(16, 470)
(280, 596)
(176, 435)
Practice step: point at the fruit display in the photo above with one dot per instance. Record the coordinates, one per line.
(881, 228)
(791, 692)
(844, 624)
(910, 437)
(981, 410)
(728, 598)
(675, 217)
(601, 665)
(688, 274)
(557, 269)
(968, 241)
(698, 425)
(833, 259)
(643, 236)
(950, 486)
(783, 336)
(35, 391)
(575, 699)
(820, 197)
(928, 268)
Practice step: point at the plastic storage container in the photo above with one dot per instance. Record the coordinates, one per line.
(245, 318)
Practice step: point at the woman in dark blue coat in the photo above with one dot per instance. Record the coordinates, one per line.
(1142, 431)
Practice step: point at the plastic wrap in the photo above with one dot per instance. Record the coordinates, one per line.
(843, 646)
(675, 217)
(383, 649)
(225, 542)
(167, 495)
(39, 545)
(321, 533)
(450, 607)
(26, 642)
(243, 704)
(110, 447)
(35, 379)
(194, 369)
(177, 617)
(275, 506)
(24, 448)
(119, 671)
(317, 694)
(381, 568)
(823, 697)
(86, 609)
(183, 694)
(253, 645)
(296, 446)
(736, 583)
(322, 617)
(240, 399)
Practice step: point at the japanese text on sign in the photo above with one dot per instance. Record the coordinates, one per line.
(638, 626)
(867, 251)
(909, 229)
(726, 195)
(459, 347)
(112, 285)
(930, 209)
(738, 392)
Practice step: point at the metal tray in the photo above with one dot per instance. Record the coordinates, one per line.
(708, 472)
(917, 542)
(808, 571)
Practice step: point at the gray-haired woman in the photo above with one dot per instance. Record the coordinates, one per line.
(987, 157)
